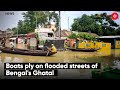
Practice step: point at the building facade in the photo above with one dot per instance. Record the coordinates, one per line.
(114, 40)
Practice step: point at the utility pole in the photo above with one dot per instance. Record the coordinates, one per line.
(68, 23)
(6, 34)
(59, 26)
(17, 32)
(36, 19)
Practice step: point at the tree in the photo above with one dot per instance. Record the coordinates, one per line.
(118, 31)
(8, 29)
(101, 24)
(73, 36)
(34, 18)
(84, 24)
(85, 36)
(14, 30)
(21, 27)
(54, 17)
(43, 19)
(106, 23)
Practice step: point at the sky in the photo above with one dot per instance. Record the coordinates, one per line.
(10, 21)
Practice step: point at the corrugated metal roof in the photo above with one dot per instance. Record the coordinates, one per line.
(109, 37)
(47, 30)
(64, 33)
(13, 38)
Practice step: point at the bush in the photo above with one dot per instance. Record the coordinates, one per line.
(73, 36)
(80, 35)
(85, 36)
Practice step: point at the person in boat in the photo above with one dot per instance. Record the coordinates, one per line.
(3, 42)
(11, 44)
(74, 45)
(77, 42)
(53, 48)
(66, 44)
(46, 48)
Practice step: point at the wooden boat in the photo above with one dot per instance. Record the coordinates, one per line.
(27, 52)
(84, 49)
(109, 73)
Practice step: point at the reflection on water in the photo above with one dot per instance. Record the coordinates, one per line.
(116, 53)
(106, 58)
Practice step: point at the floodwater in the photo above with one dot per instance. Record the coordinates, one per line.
(106, 58)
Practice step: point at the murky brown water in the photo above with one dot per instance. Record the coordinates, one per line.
(104, 57)
(63, 56)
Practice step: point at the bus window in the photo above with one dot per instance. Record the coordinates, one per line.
(50, 34)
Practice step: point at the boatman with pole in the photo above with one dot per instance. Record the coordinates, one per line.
(53, 48)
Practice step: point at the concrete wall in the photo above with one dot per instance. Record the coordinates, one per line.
(59, 44)
(117, 45)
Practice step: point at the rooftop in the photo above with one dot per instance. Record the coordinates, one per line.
(44, 30)
(109, 37)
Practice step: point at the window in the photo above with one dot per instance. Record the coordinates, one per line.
(50, 34)
(103, 45)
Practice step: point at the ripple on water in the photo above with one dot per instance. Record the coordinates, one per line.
(19, 60)
(66, 61)
(8, 59)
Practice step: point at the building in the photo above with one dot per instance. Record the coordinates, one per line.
(53, 26)
(47, 36)
(64, 34)
(5, 34)
(114, 40)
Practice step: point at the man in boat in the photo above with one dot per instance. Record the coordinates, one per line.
(66, 44)
(46, 48)
(53, 48)
(77, 42)
(3, 42)
(11, 44)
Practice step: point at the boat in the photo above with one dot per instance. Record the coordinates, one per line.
(107, 73)
(27, 52)
(84, 49)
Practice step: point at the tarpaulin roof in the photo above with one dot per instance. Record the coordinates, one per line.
(109, 37)
(30, 35)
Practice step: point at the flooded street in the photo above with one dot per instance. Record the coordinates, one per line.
(105, 58)
(64, 56)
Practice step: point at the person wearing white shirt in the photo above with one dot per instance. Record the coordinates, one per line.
(11, 44)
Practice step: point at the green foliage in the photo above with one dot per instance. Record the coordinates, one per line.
(14, 30)
(85, 36)
(73, 36)
(118, 31)
(85, 23)
(101, 24)
(29, 23)
(8, 29)
(80, 35)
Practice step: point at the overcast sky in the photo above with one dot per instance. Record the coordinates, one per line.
(10, 21)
